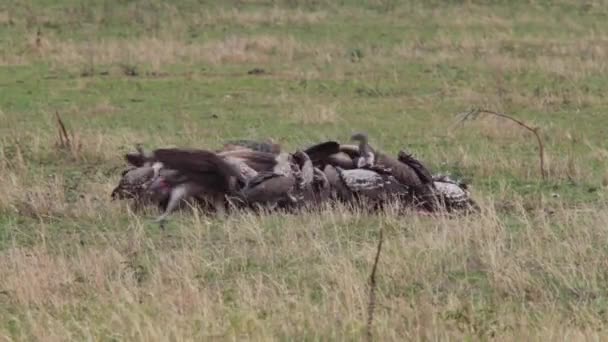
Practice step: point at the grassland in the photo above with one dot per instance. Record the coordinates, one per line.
(532, 265)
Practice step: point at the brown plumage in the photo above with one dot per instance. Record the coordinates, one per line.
(139, 158)
(269, 189)
(402, 172)
(200, 166)
(421, 171)
(341, 159)
(133, 183)
(319, 152)
(199, 174)
(367, 155)
(338, 189)
(259, 161)
(321, 189)
(376, 185)
(333, 153)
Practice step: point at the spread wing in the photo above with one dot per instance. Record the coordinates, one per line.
(259, 161)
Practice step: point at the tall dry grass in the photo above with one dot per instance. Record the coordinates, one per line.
(247, 278)
(88, 268)
(531, 266)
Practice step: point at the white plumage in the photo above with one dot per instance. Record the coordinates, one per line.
(361, 179)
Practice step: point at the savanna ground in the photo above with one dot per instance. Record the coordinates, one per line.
(532, 265)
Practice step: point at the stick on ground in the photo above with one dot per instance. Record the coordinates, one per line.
(541, 147)
(372, 289)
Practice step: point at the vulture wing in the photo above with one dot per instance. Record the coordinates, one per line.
(423, 173)
(404, 173)
(202, 167)
(259, 161)
(318, 153)
(268, 187)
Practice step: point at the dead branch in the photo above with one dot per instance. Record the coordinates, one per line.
(474, 113)
(64, 137)
(372, 290)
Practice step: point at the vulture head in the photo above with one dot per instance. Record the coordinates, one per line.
(359, 137)
(367, 157)
(300, 157)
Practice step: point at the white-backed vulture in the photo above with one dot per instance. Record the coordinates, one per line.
(198, 173)
(374, 186)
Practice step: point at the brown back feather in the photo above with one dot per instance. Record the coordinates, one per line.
(135, 159)
(319, 152)
(196, 162)
(423, 173)
(259, 161)
(404, 173)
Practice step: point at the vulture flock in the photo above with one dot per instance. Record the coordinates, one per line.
(258, 175)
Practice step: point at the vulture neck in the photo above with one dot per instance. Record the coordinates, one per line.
(367, 154)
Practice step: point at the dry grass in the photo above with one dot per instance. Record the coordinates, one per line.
(260, 277)
(275, 16)
(76, 266)
(310, 112)
(155, 53)
(241, 278)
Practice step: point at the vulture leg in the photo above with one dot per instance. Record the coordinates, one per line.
(177, 194)
(218, 204)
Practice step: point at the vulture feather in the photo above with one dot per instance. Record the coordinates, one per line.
(269, 188)
(421, 171)
(319, 152)
(452, 195)
(341, 159)
(402, 172)
(133, 183)
(203, 167)
(321, 188)
(338, 188)
(372, 185)
(259, 161)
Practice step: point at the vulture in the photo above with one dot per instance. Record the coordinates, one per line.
(199, 173)
(258, 175)
(367, 156)
(312, 184)
(321, 189)
(134, 185)
(333, 153)
(269, 189)
(452, 195)
(172, 175)
(137, 178)
(250, 162)
(372, 185)
(403, 172)
(406, 170)
(289, 184)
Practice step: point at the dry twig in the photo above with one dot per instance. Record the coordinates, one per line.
(372, 290)
(474, 113)
(64, 137)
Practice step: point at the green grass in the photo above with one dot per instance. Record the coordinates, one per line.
(75, 265)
